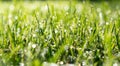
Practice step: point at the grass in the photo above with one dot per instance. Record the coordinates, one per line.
(85, 33)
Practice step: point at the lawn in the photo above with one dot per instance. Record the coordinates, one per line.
(53, 33)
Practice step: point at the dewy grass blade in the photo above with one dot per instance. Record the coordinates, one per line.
(59, 32)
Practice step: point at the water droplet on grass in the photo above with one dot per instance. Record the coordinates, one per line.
(16, 17)
(21, 64)
(34, 45)
(65, 31)
(107, 23)
(56, 31)
(115, 64)
(83, 63)
(34, 35)
(61, 62)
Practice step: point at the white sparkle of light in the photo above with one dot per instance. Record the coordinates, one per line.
(56, 31)
(61, 62)
(34, 35)
(83, 63)
(16, 17)
(65, 31)
(34, 46)
(107, 23)
(21, 64)
(115, 64)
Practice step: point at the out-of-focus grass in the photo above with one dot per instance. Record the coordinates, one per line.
(32, 33)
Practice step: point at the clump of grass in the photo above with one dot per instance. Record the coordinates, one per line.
(69, 32)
